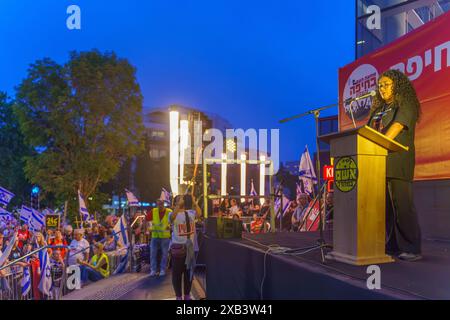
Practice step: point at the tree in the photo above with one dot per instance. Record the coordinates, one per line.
(12, 151)
(83, 116)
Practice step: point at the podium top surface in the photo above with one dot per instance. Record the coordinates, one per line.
(370, 134)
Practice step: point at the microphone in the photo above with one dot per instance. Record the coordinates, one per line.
(369, 94)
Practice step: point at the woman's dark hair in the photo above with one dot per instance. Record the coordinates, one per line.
(187, 201)
(403, 91)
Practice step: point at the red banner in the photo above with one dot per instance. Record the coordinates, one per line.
(313, 218)
(423, 55)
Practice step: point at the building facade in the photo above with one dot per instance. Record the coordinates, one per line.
(397, 18)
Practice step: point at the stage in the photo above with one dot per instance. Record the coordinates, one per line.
(235, 270)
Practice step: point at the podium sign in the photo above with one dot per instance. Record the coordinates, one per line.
(359, 223)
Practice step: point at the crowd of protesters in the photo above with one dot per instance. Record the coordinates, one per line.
(293, 218)
(86, 247)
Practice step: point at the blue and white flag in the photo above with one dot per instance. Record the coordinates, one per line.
(306, 172)
(45, 285)
(36, 221)
(120, 234)
(277, 206)
(5, 215)
(252, 189)
(8, 249)
(165, 195)
(132, 200)
(5, 196)
(25, 214)
(47, 211)
(83, 209)
(253, 193)
(25, 283)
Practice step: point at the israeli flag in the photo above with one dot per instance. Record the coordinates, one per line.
(306, 172)
(25, 214)
(132, 200)
(277, 206)
(252, 190)
(83, 209)
(45, 285)
(298, 190)
(47, 211)
(36, 221)
(5, 196)
(120, 233)
(25, 283)
(4, 215)
(165, 195)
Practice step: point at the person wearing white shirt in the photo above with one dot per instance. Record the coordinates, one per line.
(183, 243)
(79, 248)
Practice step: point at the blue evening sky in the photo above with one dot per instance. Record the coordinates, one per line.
(252, 62)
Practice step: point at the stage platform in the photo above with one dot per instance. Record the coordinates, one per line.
(235, 270)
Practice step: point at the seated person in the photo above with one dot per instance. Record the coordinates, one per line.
(298, 215)
(110, 242)
(98, 268)
(235, 209)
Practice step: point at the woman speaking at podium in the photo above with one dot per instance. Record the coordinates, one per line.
(394, 112)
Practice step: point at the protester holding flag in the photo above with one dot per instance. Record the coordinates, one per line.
(45, 283)
(299, 212)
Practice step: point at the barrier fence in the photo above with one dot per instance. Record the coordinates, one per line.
(12, 274)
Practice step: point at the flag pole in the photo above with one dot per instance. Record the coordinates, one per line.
(66, 203)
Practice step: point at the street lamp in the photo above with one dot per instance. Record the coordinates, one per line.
(174, 149)
(243, 174)
(184, 136)
(262, 176)
(223, 188)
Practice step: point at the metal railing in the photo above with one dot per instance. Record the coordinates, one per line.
(10, 281)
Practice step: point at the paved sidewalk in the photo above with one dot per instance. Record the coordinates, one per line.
(132, 286)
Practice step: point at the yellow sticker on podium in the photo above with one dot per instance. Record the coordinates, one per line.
(345, 174)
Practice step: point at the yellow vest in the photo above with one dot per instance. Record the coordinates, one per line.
(160, 229)
(104, 271)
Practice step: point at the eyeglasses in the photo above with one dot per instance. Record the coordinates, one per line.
(385, 85)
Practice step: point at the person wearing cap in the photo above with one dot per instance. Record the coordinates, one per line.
(160, 229)
(97, 268)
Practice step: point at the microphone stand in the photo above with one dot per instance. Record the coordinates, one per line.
(279, 194)
(316, 112)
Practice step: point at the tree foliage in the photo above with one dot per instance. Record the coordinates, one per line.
(12, 152)
(84, 118)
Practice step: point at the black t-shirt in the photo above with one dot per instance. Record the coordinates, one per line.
(399, 165)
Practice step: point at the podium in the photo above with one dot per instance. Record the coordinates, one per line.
(359, 222)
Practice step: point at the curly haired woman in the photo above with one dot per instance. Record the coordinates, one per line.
(394, 112)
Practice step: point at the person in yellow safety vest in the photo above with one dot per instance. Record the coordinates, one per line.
(160, 229)
(98, 268)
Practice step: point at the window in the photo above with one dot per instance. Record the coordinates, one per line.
(157, 134)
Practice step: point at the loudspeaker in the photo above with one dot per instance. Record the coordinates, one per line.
(223, 228)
